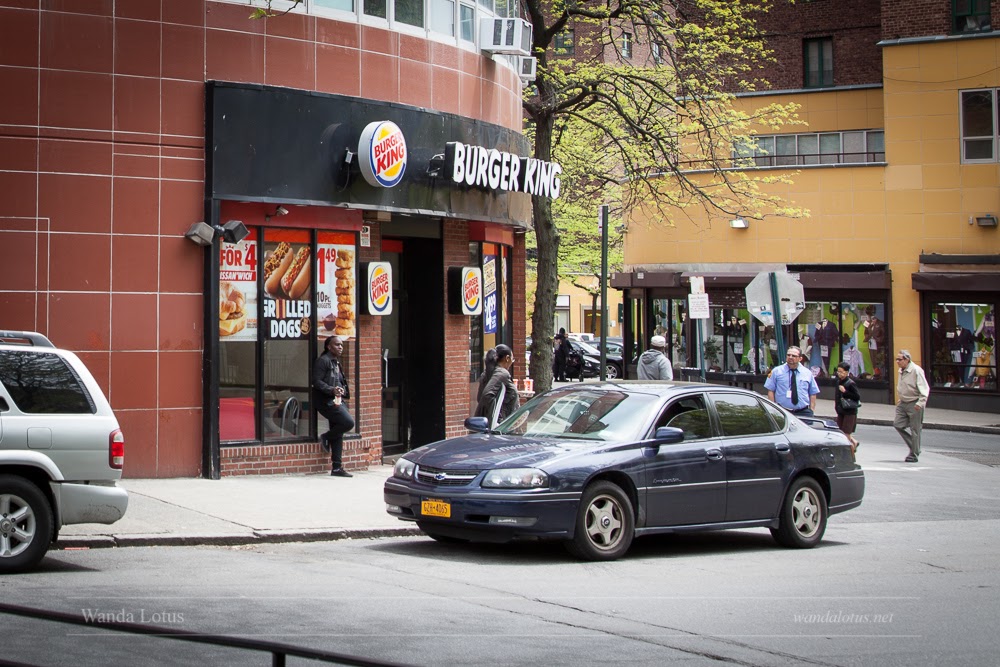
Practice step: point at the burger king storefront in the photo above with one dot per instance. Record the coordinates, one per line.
(392, 227)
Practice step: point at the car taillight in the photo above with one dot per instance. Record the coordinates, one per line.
(116, 449)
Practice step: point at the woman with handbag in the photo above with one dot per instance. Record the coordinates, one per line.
(847, 403)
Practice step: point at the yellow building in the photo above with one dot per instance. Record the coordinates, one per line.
(898, 169)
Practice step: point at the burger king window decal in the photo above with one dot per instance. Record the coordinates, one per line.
(382, 154)
(336, 287)
(287, 305)
(379, 288)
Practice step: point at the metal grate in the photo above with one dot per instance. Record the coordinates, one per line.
(437, 477)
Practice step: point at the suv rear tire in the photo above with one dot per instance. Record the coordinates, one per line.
(25, 524)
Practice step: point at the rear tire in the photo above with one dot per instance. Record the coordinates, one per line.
(25, 524)
(605, 523)
(802, 521)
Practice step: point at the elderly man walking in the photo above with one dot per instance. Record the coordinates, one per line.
(912, 391)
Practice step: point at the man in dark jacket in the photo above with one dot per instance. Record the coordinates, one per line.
(330, 390)
(561, 354)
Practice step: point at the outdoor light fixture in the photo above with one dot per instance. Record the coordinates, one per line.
(739, 223)
(436, 165)
(205, 234)
(988, 220)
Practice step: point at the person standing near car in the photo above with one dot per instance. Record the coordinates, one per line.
(847, 402)
(792, 386)
(653, 364)
(912, 391)
(497, 394)
(330, 390)
(561, 355)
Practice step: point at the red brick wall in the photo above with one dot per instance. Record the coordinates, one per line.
(456, 335)
(854, 26)
(922, 18)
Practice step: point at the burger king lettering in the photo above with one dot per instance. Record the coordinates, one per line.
(497, 170)
(472, 291)
(382, 154)
(379, 288)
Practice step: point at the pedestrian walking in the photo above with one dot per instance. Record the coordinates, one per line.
(654, 364)
(497, 394)
(561, 355)
(792, 386)
(330, 390)
(847, 402)
(912, 391)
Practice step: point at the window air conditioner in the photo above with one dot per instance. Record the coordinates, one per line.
(526, 67)
(500, 35)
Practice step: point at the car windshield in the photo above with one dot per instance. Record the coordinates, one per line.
(587, 348)
(611, 415)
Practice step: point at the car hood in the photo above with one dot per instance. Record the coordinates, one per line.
(482, 452)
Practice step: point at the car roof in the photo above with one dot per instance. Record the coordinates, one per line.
(658, 387)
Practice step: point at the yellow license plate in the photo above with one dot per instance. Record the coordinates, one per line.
(435, 507)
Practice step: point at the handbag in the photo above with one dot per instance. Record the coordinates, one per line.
(850, 404)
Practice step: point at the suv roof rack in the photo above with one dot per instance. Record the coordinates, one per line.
(25, 338)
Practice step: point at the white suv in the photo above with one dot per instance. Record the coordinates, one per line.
(61, 450)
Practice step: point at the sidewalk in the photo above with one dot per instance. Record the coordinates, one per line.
(298, 508)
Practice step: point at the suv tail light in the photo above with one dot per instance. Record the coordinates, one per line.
(116, 449)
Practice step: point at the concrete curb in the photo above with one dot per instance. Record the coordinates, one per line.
(962, 428)
(256, 537)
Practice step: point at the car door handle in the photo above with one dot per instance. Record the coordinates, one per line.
(713, 454)
(782, 446)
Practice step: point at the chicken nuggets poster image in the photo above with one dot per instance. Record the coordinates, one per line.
(336, 286)
(288, 265)
(238, 290)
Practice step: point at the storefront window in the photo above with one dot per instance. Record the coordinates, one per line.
(963, 346)
(832, 332)
(307, 294)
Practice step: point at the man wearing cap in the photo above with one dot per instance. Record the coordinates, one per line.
(792, 386)
(912, 391)
(653, 364)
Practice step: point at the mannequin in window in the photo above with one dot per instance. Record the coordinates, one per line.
(826, 337)
(961, 344)
(735, 334)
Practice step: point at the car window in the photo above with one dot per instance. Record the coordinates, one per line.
(690, 415)
(43, 383)
(741, 414)
(586, 348)
(586, 414)
(777, 415)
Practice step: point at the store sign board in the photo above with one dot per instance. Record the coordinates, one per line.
(379, 288)
(698, 308)
(491, 169)
(382, 154)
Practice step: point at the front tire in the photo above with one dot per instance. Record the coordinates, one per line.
(25, 524)
(802, 521)
(605, 523)
(611, 372)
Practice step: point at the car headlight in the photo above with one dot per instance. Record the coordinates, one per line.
(515, 478)
(404, 469)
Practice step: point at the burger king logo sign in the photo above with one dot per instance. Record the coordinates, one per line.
(382, 154)
(379, 288)
(472, 291)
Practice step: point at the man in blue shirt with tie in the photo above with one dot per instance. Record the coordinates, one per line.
(792, 386)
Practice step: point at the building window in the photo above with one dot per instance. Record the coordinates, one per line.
(849, 147)
(376, 8)
(970, 16)
(442, 17)
(467, 23)
(817, 55)
(564, 43)
(963, 346)
(410, 12)
(342, 5)
(657, 52)
(978, 125)
(626, 45)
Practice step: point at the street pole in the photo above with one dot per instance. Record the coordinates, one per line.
(776, 311)
(604, 291)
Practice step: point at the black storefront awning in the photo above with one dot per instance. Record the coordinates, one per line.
(956, 282)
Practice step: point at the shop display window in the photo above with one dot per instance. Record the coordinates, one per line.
(294, 288)
(963, 346)
(831, 332)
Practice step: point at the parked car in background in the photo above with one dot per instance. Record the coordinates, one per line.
(591, 362)
(615, 345)
(597, 464)
(61, 449)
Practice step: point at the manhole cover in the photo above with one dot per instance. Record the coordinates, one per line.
(984, 458)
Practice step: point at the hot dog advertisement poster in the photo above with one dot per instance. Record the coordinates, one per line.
(238, 289)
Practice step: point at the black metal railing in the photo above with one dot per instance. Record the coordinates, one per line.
(279, 652)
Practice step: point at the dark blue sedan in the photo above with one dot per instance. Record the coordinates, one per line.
(595, 465)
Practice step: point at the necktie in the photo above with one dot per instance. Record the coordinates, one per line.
(795, 388)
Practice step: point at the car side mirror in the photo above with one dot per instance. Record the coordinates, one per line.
(477, 424)
(668, 435)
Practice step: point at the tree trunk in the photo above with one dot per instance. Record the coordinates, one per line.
(543, 318)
